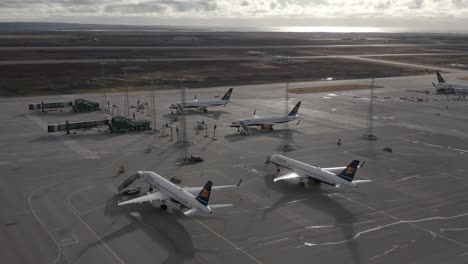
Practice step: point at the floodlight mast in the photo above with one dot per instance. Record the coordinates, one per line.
(182, 139)
(370, 122)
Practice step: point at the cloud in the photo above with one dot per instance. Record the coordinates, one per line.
(163, 6)
(233, 9)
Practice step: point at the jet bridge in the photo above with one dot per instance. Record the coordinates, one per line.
(115, 124)
(128, 182)
(78, 105)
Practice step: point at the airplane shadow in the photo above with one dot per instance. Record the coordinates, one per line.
(318, 199)
(213, 114)
(163, 227)
(278, 133)
(95, 135)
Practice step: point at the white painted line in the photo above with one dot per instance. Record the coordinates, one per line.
(67, 202)
(399, 221)
(410, 177)
(454, 229)
(43, 225)
(229, 242)
(385, 253)
(274, 241)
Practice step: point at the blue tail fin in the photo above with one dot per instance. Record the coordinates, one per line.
(439, 77)
(348, 173)
(227, 95)
(204, 195)
(295, 110)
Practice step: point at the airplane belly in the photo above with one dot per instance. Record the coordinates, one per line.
(322, 178)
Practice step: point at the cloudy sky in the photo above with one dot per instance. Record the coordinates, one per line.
(416, 13)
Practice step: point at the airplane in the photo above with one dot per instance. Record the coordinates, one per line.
(203, 104)
(283, 59)
(195, 199)
(266, 122)
(254, 52)
(443, 87)
(340, 177)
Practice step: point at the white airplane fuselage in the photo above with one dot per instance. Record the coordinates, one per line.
(260, 121)
(200, 104)
(315, 173)
(173, 191)
(448, 88)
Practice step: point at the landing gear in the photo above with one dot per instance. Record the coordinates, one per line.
(164, 206)
(314, 183)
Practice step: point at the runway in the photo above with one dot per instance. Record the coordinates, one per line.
(196, 47)
(59, 197)
(362, 57)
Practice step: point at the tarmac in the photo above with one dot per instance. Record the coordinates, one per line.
(60, 202)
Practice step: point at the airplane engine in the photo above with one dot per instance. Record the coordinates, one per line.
(267, 127)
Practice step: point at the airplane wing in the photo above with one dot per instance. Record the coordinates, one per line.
(191, 211)
(197, 190)
(213, 207)
(217, 207)
(291, 175)
(146, 198)
(358, 182)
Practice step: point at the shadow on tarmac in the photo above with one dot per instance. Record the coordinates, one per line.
(213, 114)
(313, 195)
(163, 228)
(278, 133)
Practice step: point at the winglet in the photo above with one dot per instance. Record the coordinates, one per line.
(239, 183)
(439, 77)
(362, 164)
(204, 195)
(227, 96)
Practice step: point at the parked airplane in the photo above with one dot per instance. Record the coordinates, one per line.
(194, 198)
(283, 59)
(443, 87)
(203, 104)
(266, 122)
(343, 179)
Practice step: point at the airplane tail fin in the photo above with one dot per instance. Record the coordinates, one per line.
(204, 195)
(295, 110)
(227, 96)
(439, 77)
(349, 171)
